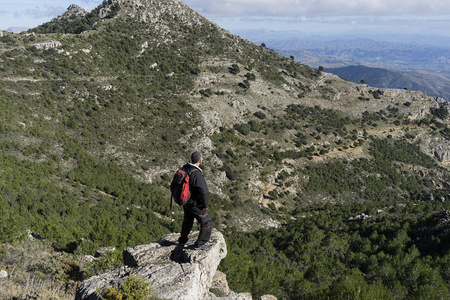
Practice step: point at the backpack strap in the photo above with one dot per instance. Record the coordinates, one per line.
(192, 171)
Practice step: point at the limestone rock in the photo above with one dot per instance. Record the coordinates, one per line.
(103, 250)
(438, 147)
(219, 287)
(234, 296)
(442, 154)
(49, 45)
(220, 283)
(268, 297)
(3, 274)
(174, 273)
(73, 12)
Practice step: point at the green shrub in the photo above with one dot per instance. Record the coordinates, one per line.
(231, 175)
(135, 288)
(243, 128)
(260, 115)
(234, 69)
(441, 112)
(254, 126)
(250, 76)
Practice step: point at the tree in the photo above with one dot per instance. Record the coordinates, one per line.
(234, 69)
(441, 112)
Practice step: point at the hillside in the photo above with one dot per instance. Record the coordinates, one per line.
(98, 109)
(430, 84)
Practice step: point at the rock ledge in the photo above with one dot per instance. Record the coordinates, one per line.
(174, 273)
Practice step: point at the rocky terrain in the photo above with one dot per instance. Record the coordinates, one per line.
(73, 12)
(173, 272)
(99, 109)
(218, 99)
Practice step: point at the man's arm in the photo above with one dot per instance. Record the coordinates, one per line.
(201, 189)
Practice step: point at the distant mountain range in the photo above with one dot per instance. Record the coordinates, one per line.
(429, 83)
(16, 29)
(424, 61)
(389, 52)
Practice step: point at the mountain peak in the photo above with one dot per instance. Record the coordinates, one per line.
(157, 11)
(164, 15)
(73, 12)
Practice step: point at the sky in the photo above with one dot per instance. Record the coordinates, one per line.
(321, 17)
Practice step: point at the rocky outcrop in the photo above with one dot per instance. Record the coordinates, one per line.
(48, 45)
(437, 146)
(442, 153)
(74, 12)
(174, 272)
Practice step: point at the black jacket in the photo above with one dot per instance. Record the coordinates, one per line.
(198, 187)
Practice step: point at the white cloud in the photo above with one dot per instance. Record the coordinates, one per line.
(223, 8)
(44, 12)
(30, 13)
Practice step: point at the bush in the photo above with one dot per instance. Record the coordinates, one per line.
(273, 194)
(441, 112)
(260, 115)
(229, 172)
(135, 288)
(250, 76)
(206, 92)
(234, 69)
(243, 128)
(254, 126)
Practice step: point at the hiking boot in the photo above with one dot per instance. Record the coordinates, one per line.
(188, 243)
(202, 247)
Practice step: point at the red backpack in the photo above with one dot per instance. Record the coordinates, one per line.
(180, 187)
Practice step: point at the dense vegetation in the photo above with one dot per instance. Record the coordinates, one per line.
(98, 204)
(379, 249)
(326, 255)
(91, 131)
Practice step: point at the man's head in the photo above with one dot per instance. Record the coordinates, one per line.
(196, 157)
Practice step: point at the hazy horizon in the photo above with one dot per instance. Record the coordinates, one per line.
(311, 17)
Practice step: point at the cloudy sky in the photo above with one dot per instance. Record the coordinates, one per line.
(308, 16)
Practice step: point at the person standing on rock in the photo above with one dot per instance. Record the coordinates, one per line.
(197, 206)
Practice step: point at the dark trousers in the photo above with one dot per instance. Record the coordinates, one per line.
(204, 219)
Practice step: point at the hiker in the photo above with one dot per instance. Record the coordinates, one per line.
(197, 205)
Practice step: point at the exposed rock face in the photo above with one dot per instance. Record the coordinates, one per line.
(442, 153)
(73, 12)
(437, 146)
(174, 273)
(49, 45)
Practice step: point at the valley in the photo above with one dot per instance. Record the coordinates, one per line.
(94, 124)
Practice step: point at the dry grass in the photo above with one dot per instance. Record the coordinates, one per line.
(33, 288)
(34, 272)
